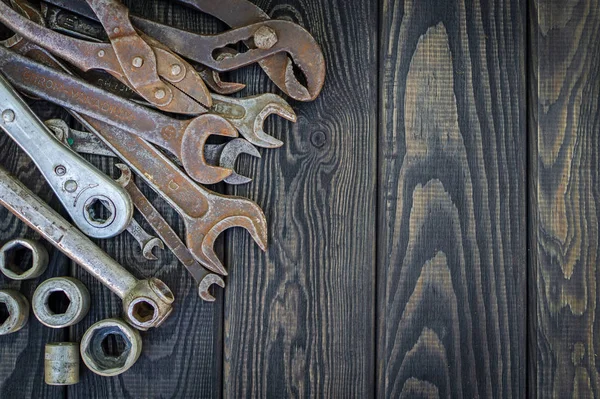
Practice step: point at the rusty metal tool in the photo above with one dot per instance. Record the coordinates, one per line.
(78, 185)
(146, 241)
(146, 303)
(203, 277)
(184, 138)
(279, 67)
(247, 114)
(84, 27)
(278, 46)
(159, 76)
(225, 155)
(205, 214)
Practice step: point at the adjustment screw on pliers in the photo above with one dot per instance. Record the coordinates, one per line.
(265, 38)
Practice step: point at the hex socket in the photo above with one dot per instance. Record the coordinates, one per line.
(39, 261)
(98, 360)
(17, 307)
(76, 293)
(61, 363)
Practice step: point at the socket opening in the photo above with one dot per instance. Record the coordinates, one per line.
(18, 259)
(143, 311)
(58, 302)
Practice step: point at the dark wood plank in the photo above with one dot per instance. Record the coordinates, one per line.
(299, 319)
(22, 353)
(452, 230)
(565, 122)
(182, 358)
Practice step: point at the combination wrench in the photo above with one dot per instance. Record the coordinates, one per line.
(78, 185)
(146, 303)
(225, 155)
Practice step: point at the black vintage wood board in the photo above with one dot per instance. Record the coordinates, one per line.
(433, 221)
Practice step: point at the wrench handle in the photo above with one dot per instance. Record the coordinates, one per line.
(70, 92)
(24, 204)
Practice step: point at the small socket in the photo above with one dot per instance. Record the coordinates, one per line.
(23, 259)
(61, 363)
(61, 302)
(14, 311)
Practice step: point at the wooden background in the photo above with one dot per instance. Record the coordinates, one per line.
(451, 137)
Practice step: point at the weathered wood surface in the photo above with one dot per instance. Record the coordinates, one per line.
(299, 319)
(564, 131)
(452, 210)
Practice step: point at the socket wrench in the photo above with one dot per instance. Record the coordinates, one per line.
(81, 188)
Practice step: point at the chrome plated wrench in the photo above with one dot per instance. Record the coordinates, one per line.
(78, 185)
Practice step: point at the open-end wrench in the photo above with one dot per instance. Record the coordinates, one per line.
(248, 115)
(225, 155)
(184, 138)
(203, 277)
(146, 241)
(146, 303)
(78, 185)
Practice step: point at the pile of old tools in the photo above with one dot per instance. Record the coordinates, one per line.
(141, 90)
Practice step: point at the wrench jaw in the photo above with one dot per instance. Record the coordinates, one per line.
(149, 247)
(192, 144)
(148, 304)
(249, 114)
(206, 283)
(224, 213)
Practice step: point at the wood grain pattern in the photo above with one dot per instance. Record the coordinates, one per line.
(452, 231)
(564, 126)
(299, 318)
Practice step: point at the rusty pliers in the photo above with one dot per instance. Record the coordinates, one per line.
(161, 77)
(278, 46)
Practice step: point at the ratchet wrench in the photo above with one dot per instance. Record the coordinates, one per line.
(79, 186)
